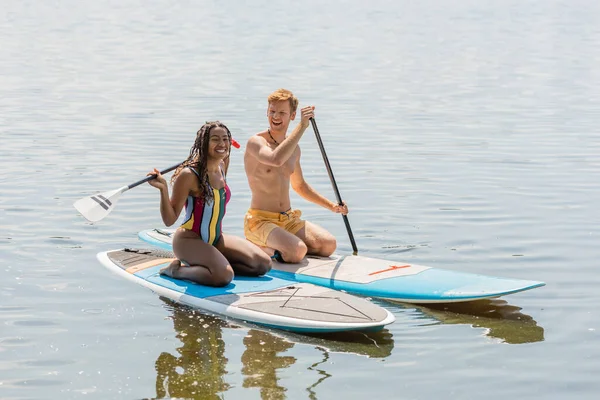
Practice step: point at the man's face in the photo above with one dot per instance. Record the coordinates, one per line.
(279, 115)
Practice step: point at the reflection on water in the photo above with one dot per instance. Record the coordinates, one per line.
(323, 374)
(198, 370)
(501, 320)
(261, 360)
(373, 344)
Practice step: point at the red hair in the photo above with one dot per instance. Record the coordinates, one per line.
(282, 95)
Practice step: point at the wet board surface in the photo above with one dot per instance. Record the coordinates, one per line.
(385, 279)
(268, 300)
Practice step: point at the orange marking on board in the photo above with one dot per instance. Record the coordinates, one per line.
(148, 264)
(391, 268)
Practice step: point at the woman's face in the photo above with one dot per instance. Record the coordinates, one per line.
(218, 143)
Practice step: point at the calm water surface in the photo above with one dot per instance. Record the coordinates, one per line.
(462, 133)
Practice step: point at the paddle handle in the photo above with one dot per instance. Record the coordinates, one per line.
(149, 178)
(334, 184)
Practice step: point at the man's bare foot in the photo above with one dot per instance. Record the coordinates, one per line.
(172, 269)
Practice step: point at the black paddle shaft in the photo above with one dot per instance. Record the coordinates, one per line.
(333, 183)
(149, 178)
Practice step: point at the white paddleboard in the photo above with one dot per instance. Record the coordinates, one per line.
(268, 300)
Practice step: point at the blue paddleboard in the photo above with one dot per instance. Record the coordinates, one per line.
(384, 279)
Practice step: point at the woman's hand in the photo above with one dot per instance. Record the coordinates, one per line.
(159, 182)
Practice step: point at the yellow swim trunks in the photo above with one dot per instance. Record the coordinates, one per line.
(258, 224)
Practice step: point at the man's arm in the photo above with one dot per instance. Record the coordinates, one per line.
(257, 145)
(306, 191)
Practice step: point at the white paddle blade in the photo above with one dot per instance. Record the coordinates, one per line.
(96, 207)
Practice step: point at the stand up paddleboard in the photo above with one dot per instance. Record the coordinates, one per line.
(390, 280)
(268, 300)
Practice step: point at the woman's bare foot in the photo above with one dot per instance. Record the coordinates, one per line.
(171, 269)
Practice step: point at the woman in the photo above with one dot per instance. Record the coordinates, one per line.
(204, 254)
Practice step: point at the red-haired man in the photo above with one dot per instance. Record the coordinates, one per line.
(272, 163)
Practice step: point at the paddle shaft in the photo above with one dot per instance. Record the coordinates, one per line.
(149, 178)
(333, 183)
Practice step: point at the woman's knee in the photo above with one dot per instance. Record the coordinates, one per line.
(260, 263)
(224, 277)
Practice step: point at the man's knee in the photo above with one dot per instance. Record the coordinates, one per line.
(329, 246)
(296, 253)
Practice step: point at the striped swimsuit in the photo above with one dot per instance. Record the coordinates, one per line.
(205, 218)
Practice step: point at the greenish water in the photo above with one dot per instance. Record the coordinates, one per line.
(462, 134)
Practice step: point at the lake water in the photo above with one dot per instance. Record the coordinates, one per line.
(463, 134)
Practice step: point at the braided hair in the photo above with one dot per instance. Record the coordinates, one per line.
(198, 158)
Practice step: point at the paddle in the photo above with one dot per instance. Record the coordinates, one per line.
(96, 207)
(335, 188)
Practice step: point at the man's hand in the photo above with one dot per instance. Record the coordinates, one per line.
(340, 209)
(306, 114)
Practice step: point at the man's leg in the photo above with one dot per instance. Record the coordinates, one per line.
(290, 246)
(319, 242)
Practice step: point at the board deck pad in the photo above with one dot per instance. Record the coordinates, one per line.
(351, 269)
(266, 300)
(393, 280)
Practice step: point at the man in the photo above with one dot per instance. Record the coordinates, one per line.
(272, 163)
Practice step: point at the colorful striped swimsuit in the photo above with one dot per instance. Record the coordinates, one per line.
(205, 218)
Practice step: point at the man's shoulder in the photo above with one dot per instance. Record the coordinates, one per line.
(258, 138)
(258, 135)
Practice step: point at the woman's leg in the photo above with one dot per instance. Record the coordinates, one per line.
(245, 257)
(205, 264)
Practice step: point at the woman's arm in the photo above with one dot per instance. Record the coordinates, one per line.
(171, 208)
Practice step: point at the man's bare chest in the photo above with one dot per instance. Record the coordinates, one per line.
(285, 170)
